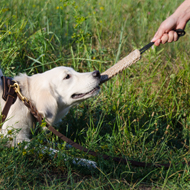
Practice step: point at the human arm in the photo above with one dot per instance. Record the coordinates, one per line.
(177, 20)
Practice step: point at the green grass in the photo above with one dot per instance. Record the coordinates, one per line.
(141, 114)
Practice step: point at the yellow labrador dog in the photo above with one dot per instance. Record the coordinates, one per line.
(53, 93)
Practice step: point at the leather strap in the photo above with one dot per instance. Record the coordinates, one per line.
(105, 157)
(9, 96)
(39, 118)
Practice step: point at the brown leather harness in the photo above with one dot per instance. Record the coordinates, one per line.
(11, 90)
(9, 95)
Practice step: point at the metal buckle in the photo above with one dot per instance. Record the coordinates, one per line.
(17, 90)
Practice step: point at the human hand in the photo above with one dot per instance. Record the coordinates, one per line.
(165, 32)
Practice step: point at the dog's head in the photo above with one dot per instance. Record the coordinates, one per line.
(70, 87)
(55, 91)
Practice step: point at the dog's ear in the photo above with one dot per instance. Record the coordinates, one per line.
(46, 105)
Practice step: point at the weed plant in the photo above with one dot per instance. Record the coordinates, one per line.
(141, 114)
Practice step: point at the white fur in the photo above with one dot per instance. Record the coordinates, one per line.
(51, 92)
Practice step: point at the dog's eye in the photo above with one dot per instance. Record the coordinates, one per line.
(68, 76)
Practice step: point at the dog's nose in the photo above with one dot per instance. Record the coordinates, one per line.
(96, 74)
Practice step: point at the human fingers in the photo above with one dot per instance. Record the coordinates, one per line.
(164, 38)
(158, 34)
(175, 36)
(166, 26)
(157, 42)
(171, 36)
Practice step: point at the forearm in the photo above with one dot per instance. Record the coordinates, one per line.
(182, 13)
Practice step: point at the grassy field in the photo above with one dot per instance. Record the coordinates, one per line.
(141, 114)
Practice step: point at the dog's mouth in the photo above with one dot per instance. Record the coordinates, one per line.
(78, 96)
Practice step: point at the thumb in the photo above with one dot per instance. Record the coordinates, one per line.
(158, 34)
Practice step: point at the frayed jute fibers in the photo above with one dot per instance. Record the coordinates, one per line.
(127, 61)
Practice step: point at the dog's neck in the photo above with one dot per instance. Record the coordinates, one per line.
(42, 98)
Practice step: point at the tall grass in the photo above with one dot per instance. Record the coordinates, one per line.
(141, 114)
